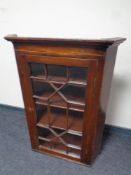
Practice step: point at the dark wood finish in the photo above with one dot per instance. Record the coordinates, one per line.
(66, 85)
(59, 121)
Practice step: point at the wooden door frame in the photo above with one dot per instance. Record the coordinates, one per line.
(23, 60)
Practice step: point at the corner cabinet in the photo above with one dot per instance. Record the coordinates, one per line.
(65, 85)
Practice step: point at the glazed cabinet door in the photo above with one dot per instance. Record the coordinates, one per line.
(58, 96)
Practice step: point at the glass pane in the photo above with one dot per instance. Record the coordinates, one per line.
(59, 93)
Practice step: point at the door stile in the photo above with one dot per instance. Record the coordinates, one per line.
(88, 127)
(27, 97)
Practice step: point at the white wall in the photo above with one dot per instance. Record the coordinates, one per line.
(69, 19)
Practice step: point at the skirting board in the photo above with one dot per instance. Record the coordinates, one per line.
(108, 128)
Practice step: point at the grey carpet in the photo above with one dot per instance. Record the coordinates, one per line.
(16, 157)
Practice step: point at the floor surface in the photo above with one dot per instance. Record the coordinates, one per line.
(16, 157)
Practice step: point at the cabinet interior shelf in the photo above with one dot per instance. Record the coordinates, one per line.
(67, 145)
(63, 142)
(61, 149)
(75, 103)
(60, 80)
(71, 123)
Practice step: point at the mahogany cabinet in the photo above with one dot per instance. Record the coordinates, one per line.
(65, 85)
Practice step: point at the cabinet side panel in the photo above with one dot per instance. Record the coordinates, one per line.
(104, 95)
(103, 76)
(107, 77)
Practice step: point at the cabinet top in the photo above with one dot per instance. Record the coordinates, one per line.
(60, 41)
